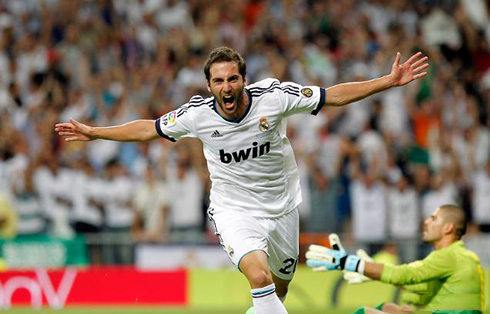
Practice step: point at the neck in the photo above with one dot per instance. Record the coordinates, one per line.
(444, 242)
(242, 105)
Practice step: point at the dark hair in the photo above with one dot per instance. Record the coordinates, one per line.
(225, 54)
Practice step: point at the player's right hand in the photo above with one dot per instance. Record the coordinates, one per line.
(74, 131)
(356, 278)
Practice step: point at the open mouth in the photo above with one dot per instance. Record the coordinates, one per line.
(228, 101)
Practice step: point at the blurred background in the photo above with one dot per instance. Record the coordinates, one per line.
(371, 171)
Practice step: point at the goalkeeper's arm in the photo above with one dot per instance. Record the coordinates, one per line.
(373, 270)
(436, 265)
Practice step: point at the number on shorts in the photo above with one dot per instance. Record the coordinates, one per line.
(290, 262)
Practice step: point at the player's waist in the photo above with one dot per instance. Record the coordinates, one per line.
(262, 178)
(254, 212)
(253, 206)
(263, 190)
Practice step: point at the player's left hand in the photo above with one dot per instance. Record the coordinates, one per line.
(322, 258)
(412, 69)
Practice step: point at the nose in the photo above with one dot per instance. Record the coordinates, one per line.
(226, 87)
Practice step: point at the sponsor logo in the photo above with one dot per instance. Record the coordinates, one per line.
(243, 154)
(264, 124)
(75, 287)
(307, 92)
(216, 133)
(169, 118)
(38, 284)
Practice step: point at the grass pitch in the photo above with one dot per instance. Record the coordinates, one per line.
(155, 310)
(136, 310)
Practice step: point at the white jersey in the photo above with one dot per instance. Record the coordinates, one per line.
(250, 160)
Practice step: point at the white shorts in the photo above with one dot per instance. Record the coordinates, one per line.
(241, 234)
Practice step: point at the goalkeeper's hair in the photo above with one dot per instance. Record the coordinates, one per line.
(224, 54)
(457, 216)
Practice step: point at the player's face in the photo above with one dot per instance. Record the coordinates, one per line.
(227, 84)
(433, 227)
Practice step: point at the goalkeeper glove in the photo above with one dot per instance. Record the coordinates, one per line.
(356, 278)
(322, 258)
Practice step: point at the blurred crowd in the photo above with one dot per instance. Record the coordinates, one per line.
(374, 169)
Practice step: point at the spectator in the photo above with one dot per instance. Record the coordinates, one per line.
(186, 190)
(442, 191)
(8, 219)
(481, 198)
(404, 218)
(52, 183)
(151, 204)
(325, 165)
(87, 216)
(368, 209)
(26, 203)
(115, 200)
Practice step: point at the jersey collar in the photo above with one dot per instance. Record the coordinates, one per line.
(244, 114)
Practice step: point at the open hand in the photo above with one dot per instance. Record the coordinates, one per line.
(74, 131)
(412, 69)
(321, 258)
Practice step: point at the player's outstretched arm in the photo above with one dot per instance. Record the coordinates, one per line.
(401, 74)
(373, 270)
(135, 131)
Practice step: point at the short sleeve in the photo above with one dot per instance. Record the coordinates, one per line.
(301, 99)
(175, 125)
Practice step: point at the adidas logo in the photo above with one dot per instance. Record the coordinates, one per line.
(216, 134)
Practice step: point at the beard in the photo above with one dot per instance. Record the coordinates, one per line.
(230, 104)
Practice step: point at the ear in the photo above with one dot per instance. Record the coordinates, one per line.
(244, 81)
(448, 228)
(208, 87)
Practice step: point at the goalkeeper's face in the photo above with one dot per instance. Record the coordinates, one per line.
(227, 86)
(434, 227)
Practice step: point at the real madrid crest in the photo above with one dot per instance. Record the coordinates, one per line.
(307, 92)
(264, 124)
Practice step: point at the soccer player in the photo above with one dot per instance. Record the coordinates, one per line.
(448, 279)
(255, 185)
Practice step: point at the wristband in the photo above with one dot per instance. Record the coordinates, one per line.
(360, 267)
(352, 263)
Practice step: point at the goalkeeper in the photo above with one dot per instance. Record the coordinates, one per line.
(449, 279)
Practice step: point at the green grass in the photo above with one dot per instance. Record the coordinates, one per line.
(148, 310)
(159, 310)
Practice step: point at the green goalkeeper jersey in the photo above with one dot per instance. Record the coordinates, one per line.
(453, 276)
